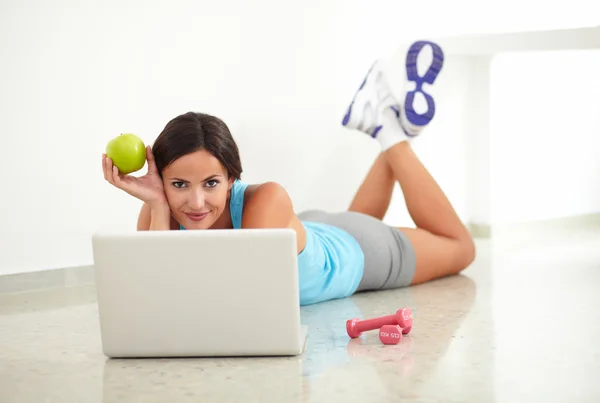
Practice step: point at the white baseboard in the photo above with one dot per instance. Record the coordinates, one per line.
(46, 279)
(480, 230)
(587, 221)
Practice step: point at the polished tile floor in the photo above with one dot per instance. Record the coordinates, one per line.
(521, 325)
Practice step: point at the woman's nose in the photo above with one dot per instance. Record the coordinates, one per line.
(197, 200)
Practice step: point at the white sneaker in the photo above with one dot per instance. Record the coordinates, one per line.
(366, 111)
(376, 112)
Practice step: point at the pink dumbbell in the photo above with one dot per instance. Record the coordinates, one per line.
(390, 334)
(402, 318)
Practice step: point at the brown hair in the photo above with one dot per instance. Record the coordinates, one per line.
(192, 132)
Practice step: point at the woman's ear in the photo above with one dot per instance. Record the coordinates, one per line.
(230, 185)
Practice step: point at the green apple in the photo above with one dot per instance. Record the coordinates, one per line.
(127, 152)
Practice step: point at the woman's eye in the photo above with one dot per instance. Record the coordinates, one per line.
(212, 183)
(178, 184)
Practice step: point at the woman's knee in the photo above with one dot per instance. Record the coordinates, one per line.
(468, 252)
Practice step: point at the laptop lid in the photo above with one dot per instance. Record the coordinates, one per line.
(198, 293)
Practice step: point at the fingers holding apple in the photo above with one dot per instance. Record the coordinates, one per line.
(107, 169)
(104, 166)
(126, 154)
(111, 172)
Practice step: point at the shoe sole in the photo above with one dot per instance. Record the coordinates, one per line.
(412, 74)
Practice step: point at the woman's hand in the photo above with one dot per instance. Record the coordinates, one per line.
(148, 188)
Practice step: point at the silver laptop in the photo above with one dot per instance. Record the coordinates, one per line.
(198, 293)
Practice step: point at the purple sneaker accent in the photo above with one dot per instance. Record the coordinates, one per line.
(347, 115)
(377, 129)
(412, 75)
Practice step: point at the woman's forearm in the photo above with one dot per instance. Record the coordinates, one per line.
(160, 217)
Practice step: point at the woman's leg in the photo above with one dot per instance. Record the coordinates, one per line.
(375, 193)
(438, 225)
(442, 244)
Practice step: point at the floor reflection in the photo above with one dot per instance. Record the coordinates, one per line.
(435, 346)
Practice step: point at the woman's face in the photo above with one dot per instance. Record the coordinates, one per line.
(197, 188)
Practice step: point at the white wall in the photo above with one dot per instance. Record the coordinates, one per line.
(545, 137)
(74, 74)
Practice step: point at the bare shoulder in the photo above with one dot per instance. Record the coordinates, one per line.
(267, 204)
(271, 192)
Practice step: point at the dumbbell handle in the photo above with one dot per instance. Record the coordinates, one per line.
(376, 323)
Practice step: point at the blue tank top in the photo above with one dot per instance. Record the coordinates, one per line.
(330, 266)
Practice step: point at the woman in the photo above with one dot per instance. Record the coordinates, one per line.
(193, 182)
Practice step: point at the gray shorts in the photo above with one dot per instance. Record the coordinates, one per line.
(390, 259)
